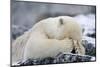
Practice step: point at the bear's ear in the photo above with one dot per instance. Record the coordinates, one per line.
(61, 21)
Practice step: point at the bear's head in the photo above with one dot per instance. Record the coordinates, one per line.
(62, 27)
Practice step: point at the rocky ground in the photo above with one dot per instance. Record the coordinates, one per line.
(61, 58)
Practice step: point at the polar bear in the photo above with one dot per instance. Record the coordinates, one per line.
(47, 38)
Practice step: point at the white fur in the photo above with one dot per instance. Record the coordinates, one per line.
(47, 38)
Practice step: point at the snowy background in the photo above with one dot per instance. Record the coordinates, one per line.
(25, 14)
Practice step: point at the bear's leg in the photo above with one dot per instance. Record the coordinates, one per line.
(79, 48)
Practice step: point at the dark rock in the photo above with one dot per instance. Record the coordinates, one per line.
(89, 48)
(93, 35)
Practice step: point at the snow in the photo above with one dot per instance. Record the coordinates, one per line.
(86, 21)
(93, 59)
